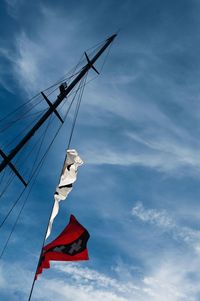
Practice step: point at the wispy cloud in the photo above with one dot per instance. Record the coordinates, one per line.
(166, 281)
(170, 280)
(40, 60)
(175, 151)
(13, 7)
(80, 283)
(163, 221)
(153, 216)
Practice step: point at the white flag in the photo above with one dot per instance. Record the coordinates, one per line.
(68, 177)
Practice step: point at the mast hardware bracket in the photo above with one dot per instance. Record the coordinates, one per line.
(12, 167)
(51, 106)
(90, 63)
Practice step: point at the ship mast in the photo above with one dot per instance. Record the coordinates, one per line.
(52, 109)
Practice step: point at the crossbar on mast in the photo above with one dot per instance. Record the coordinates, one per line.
(50, 104)
(54, 105)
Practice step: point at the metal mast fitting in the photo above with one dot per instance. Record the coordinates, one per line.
(52, 108)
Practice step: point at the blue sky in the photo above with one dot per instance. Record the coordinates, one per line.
(138, 134)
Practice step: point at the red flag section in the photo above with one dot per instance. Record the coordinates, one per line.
(70, 245)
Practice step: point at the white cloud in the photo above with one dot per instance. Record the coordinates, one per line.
(73, 283)
(165, 222)
(160, 161)
(28, 60)
(40, 60)
(168, 279)
(156, 148)
(4, 72)
(153, 216)
(86, 275)
(177, 151)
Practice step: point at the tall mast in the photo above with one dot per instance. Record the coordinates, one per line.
(52, 108)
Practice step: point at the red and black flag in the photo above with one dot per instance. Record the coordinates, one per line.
(70, 245)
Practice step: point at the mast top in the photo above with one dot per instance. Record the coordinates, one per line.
(64, 91)
(111, 38)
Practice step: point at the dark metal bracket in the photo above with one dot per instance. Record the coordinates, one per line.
(12, 167)
(51, 106)
(90, 63)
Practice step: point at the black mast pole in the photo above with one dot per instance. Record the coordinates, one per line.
(45, 116)
(52, 108)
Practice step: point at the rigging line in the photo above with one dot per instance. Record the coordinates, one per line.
(35, 173)
(8, 184)
(74, 91)
(6, 187)
(19, 213)
(24, 129)
(24, 104)
(71, 93)
(74, 68)
(7, 178)
(29, 100)
(73, 71)
(106, 57)
(12, 207)
(23, 205)
(24, 113)
(95, 47)
(18, 119)
(25, 201)
(43, 157)
(50, 143)
(61, 80)
(24, 159)
(79, 63)
(42, 137)
(57, 83)
(18, 108)
(65, 76)
(11, 122)
(27, 108)
(34, 113)
(53, 90)
(79, 87)
(11, 179)
(66, 114)
(2, 177)
(39, 149)
(77, 110)
(33, 283)
(90, 80)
